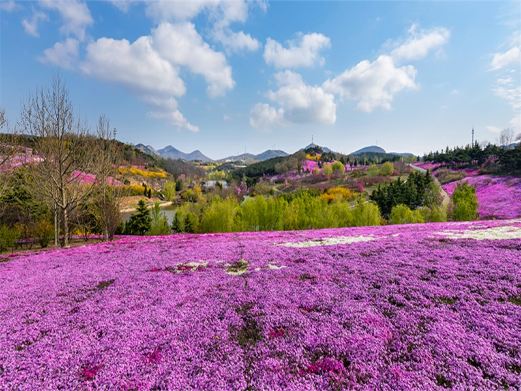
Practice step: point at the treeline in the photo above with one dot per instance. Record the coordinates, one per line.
(505, 158)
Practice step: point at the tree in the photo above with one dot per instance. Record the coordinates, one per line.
(464, 203)
(338, 168)
(158, 223)
(401, 214)
(327, 170)
(139, 223)
(387, 169)
(169, 190)
(506, 137)
(65, 148)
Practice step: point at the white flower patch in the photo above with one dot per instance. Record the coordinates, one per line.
(271, 266)
(332, 241)
(495, 233)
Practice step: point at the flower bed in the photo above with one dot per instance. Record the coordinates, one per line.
(498, 197)
(408, 307)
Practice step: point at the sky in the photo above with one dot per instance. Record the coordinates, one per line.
(227, 77)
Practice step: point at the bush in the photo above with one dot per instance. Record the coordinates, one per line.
(401, 214)
(387, 169)
(373, 170)
(327, 170)
(337, 193)
(169, 190)
(186, 219)
(338, 168)
(464, 205)
(43, 232)
(8, 237)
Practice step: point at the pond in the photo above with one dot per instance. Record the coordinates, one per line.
(168, 211)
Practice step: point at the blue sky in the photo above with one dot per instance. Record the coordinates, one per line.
(230, 76)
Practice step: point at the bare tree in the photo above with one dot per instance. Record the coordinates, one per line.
(506, 137)
(65, 148)
(106, 198)
(8, 150)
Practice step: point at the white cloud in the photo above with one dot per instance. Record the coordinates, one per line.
(373, 84)
(63, 54)
(138, 67)
(74, 13)
(8, 6)
(264, 116)
(235, 41)
(296, 102)
(31, 25)
(123, 5)
(181, 45)
(302, 52)
(494, 129)
(502, 60)
(419, 43)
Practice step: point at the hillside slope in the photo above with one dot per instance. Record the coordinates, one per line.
(395, 307)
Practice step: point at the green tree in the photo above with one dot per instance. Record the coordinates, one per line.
(464, 205)
(169, 190)
(219, 215)
(338, 168)
(366, 213)
(327, 170)
(158, 222)
(387, 169)
(139, 222)
(401, 214)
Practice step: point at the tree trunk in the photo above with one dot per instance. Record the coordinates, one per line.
(56, 228)
(65, 228)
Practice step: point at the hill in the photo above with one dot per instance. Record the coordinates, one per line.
(173, 153)
(251, 158)
(357, 308)
(369, 149)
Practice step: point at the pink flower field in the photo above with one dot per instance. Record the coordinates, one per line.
(498, 197)
(376, 308)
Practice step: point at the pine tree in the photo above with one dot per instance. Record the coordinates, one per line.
(139, 223)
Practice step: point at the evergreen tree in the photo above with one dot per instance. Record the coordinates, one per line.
(139, 223)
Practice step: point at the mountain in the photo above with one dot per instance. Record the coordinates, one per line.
(369, 149)
(148, 149)
(174, 153)
(313, 145)
(251, 158)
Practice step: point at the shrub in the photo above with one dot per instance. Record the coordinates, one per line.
(373, 170)
(338, 168)
(327, 170)
(387, 169)
(186, 219)
(43, 232)
(337, 193)
(402, 214)
(8, 237)
(464, 206)
(169, 190)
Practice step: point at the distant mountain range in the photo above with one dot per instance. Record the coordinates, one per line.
(171, 152)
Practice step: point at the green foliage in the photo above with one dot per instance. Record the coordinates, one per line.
(401, 214)
(387, 169)
(186, 218)
(327, 169)
(464, 203)
(139, 223)
(219, 215)
(365, 213)
(179, 185)
(373, 170)
(8, 237)
(43, 232)
(158, 222)
(169, 190)
(416, 191)
(338, 168)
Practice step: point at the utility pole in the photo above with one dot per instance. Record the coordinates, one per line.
(473, 136)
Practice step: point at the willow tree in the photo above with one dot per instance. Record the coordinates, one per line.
(65, 148)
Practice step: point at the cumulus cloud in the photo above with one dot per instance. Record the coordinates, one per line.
(181, 45)
(138, 67)
(294, 102)
(373, 84)
(75, 15)
(301, 52)
(505, 59)
(63, 54)
(419, 43)
(31, 24)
